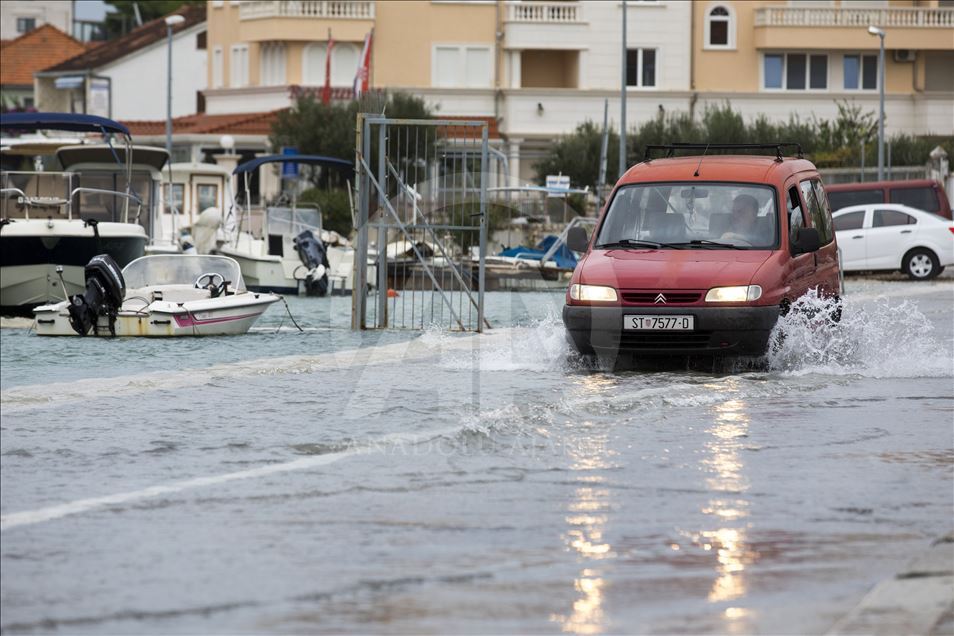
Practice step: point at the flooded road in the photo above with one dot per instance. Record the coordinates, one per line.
(408, 483)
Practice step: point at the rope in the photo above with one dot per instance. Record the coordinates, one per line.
(288, 311)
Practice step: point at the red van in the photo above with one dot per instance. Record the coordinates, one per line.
(701, 254)
(922, 194)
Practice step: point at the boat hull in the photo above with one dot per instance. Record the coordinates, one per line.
(31, 250)
(229, 316)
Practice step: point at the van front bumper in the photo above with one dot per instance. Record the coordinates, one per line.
(717, 330)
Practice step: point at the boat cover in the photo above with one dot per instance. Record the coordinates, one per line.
(76, 122)
(563, 257)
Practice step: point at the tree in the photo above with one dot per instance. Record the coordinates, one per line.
(577, 155)
(122, 19)
(314, 128)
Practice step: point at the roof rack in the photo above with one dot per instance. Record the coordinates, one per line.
(673, 147)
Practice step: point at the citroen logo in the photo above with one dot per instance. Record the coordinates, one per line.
(660, 299)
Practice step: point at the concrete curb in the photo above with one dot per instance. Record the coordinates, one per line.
(917, 600)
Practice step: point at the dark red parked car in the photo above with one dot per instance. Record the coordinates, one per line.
(922, 194)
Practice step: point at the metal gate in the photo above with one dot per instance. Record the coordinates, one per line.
(421, 224)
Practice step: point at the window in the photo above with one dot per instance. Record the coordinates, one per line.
(641, 68)
(313, 64)
(208, 196)
(238, 66)
(344, 63)
(25, 25)
(462, 66)
(794, 71)
(817, 204)
(861, 72)
(217, 67)
(178, 191)
(720, 29)
(850, 221)
(887, 218)
(855, 197)
(201, 40)
(796, 218)
(744, 215)
(920, 198)
(272, 64)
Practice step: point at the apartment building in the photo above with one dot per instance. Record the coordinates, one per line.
(780, 59)
(541, 68)
(19, 17)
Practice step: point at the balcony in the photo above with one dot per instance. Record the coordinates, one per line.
(817, 27)
(305, 20)
(544, 12)
(321, 9)
(542, 25)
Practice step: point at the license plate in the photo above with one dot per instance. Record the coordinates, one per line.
(659, 323)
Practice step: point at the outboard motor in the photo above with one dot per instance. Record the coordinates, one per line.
(314, 258)
(105, 291)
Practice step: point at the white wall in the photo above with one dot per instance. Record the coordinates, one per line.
(664, 25)
(139, 80)
(56, 12)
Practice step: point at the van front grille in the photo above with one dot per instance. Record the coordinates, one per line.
(650, 297)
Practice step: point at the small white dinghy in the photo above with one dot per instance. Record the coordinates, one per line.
(160, 295)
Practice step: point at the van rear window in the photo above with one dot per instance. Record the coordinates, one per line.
(839, 200)
(920, 198)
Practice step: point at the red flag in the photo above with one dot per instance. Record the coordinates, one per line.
(326, 91)
(363, 75)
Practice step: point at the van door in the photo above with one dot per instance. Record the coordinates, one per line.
(802, 266)
(826, 258)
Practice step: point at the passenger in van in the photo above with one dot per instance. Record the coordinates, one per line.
(744, 223)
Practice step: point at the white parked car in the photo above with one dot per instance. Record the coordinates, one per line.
(890, 236)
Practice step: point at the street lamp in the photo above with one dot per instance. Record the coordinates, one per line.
(873, 30)
(171, 21)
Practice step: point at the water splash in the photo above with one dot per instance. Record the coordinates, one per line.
(879, 340)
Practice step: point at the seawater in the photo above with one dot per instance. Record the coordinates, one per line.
(412, 482)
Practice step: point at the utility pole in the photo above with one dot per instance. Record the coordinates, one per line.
(622, 100)
(604, 147)
(873, 30)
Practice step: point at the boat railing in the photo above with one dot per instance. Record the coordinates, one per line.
(42, 188)
(128, 197)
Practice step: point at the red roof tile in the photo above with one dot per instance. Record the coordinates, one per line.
(138, 38)
(35, 51)
(203, 124)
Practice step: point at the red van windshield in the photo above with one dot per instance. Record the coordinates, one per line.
(734, 215)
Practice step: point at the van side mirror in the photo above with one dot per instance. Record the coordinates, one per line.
(576, 239)
(806, 240)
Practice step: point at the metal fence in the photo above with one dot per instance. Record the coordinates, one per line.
(421, 224)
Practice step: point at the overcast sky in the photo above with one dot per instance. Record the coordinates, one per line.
(92, 10)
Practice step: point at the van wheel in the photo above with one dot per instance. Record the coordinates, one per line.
(920, 264)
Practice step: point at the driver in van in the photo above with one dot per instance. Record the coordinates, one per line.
(744, 224)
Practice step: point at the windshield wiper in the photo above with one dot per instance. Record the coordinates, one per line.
(706, 243)
(639, 243)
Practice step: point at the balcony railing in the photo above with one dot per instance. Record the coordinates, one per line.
(544, 12)
(323, 9)
(837, 17)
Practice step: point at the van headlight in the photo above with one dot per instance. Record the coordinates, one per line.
(593, 293)
(740, 294)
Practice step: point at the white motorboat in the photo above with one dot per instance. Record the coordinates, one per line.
(53, 220)
(284, 249)
(159, 296)
(195, 197)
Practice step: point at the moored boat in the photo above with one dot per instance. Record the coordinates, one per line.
(159, 296)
